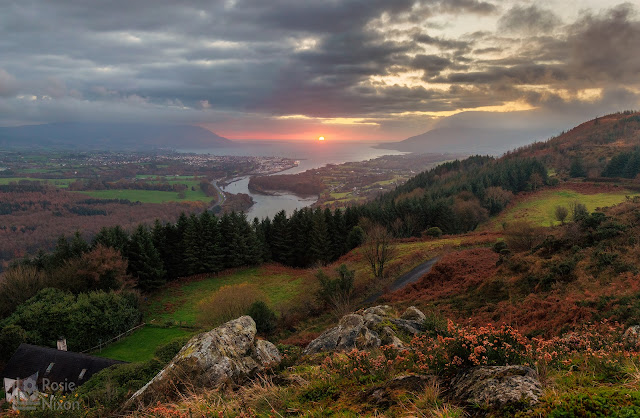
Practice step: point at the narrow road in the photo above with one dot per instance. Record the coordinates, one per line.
(221, 196)
(406, 279)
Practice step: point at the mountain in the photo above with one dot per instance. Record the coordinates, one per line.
(110, 136)
(483, 132)
(463, 139)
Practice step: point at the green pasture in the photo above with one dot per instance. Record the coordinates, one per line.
(150, 196)
(141, 345)
(540, 208)
(179, 302)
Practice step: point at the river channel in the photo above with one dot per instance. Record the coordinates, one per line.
(268, 205)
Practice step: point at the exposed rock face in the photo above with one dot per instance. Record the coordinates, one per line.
(368, 329)
(632, 336)
(227, 354)
(496, 386)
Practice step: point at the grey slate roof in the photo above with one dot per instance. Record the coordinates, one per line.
(53, 364)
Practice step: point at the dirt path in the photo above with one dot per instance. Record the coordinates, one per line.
(406, 279)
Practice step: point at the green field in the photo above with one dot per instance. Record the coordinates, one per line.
(141, 345)
(540, 208)
(150, 196)
(180, 303)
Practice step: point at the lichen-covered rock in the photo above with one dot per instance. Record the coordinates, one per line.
(389, 337)
(631, 336)
(350, 333)
(380, 310)
(228, 354)
(497, 386)
(413, 314)
(410, 327)
(366, 329)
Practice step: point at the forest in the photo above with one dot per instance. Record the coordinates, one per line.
(460, 195)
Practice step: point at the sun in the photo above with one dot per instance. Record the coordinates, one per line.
(321, 138)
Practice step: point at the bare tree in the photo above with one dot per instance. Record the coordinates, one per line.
(561, 213)
(377, 248)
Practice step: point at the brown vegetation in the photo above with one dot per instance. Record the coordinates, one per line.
(34, 219)
(228, 303)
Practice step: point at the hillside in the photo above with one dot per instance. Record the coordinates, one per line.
(591, 143)
(107, 136)
(537, 277)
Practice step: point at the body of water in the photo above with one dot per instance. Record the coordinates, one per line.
(309, 154)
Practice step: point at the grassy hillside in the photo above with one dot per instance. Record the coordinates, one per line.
(141, 345)
(539, 208)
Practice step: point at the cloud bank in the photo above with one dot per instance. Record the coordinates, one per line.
(383, 69)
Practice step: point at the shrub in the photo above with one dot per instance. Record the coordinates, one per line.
(263, 316)
(578, 211)
(596, 402)
(229, 302)
(521, 236)
(561, 213)
(336, 293)
(499, 246)
(10, 338)
(434, 232)
(165, 353)
(355, 237)
(17, 285)
(83, 320)
(110, 387)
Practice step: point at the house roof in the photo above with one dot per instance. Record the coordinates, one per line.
(54, 365)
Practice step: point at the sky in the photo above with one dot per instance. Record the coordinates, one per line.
(296, 69)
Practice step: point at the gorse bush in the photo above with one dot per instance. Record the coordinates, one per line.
(229, 302)
(263, 316)
(336, 293)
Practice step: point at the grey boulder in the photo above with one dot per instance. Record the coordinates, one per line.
(368, 329)
(496, 386)
(225, 355)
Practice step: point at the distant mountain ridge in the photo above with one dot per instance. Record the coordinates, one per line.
(467, 139)
(110, 136)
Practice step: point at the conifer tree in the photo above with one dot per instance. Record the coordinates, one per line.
(319, 238)
(145, 263)
(114, 237)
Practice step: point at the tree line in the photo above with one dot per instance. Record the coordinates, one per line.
(454, 197)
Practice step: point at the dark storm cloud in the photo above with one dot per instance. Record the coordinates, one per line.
(441, 43)
(605, 46)
(204, 60)
(519, 74)
(528, 20)
(432, 65)
(473, 6)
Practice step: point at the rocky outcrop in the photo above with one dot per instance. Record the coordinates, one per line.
(496, 386)
(367, 329)
(631, 336)
(228, 354)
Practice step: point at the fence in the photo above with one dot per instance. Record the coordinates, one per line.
(116, 338)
